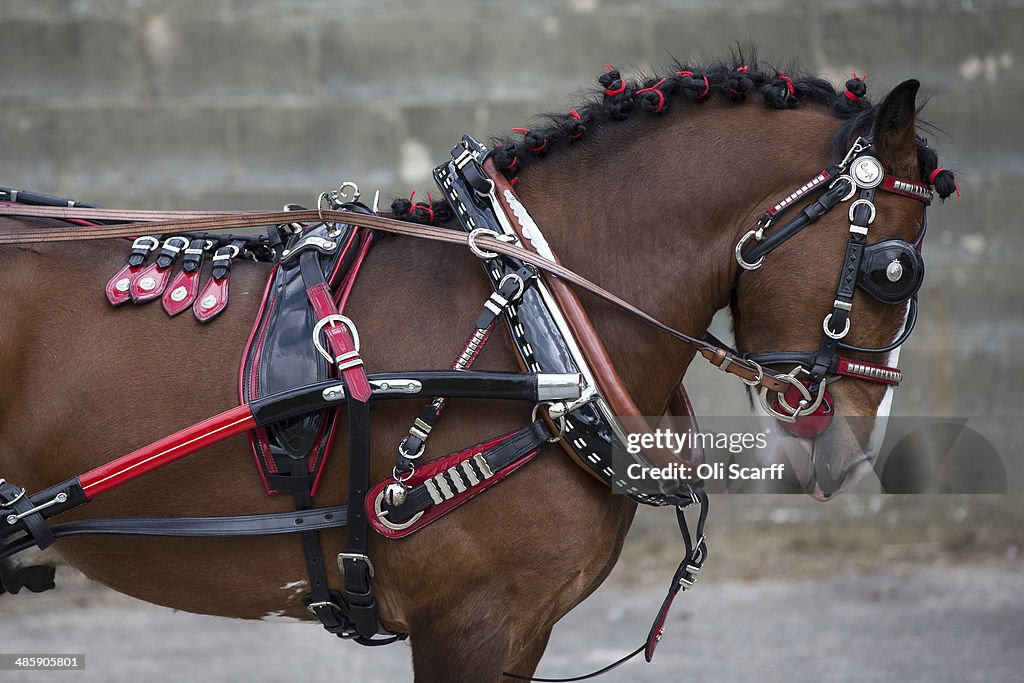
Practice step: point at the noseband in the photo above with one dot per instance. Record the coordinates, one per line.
(890, 270)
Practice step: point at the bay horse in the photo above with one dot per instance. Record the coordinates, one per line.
(646, 195)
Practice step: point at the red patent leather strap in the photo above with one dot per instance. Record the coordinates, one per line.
(167, 450)
(433, 468)
(118, 286)
(340, 341)
(181, 293)
(212, 301)
(658, 629)
(149, 283)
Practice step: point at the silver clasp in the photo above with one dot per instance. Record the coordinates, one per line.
(59, 498)
(858, 147)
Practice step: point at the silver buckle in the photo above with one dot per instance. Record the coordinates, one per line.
(358, 557)
(382, 517)
(312, 607)
(332, 320)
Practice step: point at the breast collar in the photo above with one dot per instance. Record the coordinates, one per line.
(551, 332)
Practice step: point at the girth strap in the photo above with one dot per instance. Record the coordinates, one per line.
(355, 616)
(354, 562)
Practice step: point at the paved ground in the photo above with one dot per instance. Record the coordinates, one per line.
(943, 622)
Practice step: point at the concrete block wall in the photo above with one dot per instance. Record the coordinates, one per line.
(248, 104)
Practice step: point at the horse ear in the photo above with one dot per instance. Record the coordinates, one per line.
(894, 135)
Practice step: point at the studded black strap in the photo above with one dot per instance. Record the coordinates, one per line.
(837, 323)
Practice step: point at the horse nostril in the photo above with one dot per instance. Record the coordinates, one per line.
(828, 484)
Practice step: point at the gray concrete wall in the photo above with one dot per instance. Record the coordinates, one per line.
(236, 104)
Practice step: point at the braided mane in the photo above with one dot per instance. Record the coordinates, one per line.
(737, 80)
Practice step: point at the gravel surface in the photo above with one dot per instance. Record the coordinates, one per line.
(942, 622)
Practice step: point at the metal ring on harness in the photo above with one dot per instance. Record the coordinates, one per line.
(342, 196)
(332, 227)
(865, 202)
(739, 253)
(10, 504)
(232, 253)
(560, 420)
(332, 320)
(806, 399)
(827, 328)
(520, 283)
(853, 186)
(402, 477)
(804, 410)
(406, 454)
(477, 251)
(382, 515)
(170, 243)
(146, 242)
(313, 606)
(760, 373)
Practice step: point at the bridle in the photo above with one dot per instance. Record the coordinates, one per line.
(890, 270)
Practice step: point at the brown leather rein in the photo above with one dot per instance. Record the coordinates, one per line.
(157, 222)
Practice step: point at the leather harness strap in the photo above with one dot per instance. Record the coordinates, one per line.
(359, 608)
(731, 362)
(611, 385)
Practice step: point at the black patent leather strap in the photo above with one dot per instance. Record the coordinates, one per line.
(15, 503)
(203, 527)
(810, 214)
(838, 322)
(359, 596)
(193, 259)
(908, 327)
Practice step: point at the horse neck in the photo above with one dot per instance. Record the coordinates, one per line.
(652, 212)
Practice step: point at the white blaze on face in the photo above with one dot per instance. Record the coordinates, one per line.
(882, 414)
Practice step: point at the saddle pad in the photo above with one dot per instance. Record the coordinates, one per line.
(280, 355)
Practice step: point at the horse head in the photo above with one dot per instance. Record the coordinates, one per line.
(661, 213)
(860, 261)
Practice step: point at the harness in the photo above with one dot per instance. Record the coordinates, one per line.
(292, 411)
